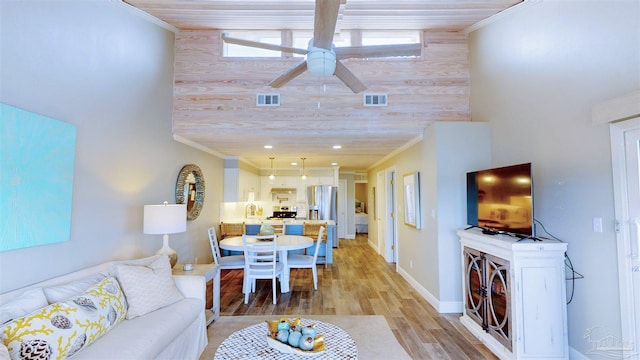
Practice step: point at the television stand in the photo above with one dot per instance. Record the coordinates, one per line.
(514, 295)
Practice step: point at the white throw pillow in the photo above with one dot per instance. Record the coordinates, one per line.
(148, 288)
(61, 293)
(27, 302)
(113, 267)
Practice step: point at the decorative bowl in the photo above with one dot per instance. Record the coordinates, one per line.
(318, 344)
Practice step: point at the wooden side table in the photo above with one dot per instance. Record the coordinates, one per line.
(211, 274)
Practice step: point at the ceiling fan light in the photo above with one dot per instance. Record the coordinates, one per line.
(321, 62)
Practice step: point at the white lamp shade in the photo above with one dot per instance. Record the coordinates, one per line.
(321, 62)
(165, 219)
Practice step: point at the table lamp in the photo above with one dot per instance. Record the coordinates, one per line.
(165, 219)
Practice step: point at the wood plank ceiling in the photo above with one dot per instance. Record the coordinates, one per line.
(215, 96)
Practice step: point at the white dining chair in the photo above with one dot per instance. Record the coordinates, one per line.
(225, 262)
(279, 228)
(299, 261)
(311, 230)
(260, 262)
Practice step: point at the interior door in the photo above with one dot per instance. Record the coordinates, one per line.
(632, 144)
(390, 248)
(342, 209)
(381, 204)
(625, 143)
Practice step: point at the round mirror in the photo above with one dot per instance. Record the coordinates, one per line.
(190, 190)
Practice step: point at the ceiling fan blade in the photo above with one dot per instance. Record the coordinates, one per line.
(348, 78)
(326, 17)
(374, 51)
(256, 44)
(289, 75)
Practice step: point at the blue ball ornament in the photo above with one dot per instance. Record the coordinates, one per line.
(284, 325)
(306, 342)
(294, 338)
(282, 336)
(309, 330)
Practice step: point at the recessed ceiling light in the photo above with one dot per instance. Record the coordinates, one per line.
(293, 163)
(334, 164)
(268, 147)
(337, 146)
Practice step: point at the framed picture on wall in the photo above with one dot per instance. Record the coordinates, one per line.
(411, 190)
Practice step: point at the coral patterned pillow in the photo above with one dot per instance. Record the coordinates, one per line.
(60, 330)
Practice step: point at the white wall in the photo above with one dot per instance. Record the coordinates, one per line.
(535, 76)
(460, 148)
(429, 257)
(109, 72)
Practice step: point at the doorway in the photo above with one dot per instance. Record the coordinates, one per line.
(342, 210)
(625, 151)
(390, 249)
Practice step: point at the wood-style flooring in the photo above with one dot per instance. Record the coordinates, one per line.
(360, 282)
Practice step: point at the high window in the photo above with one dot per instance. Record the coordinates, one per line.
(300, 39)
(389, 37)
(269, 37)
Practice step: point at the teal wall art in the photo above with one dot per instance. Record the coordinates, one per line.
(37, 157)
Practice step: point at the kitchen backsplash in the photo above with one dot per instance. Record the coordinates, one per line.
(235, 211)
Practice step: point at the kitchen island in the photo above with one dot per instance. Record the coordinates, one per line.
(294, 227)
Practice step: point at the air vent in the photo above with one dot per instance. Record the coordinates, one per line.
(375, 99)
(268, 99)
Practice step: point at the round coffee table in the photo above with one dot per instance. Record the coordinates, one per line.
(251, 343)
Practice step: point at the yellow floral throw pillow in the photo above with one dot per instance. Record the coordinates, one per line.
(60, 330)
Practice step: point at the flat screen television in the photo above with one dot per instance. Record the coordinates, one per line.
(500, 200)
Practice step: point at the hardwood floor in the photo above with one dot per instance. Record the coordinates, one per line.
(360, 282)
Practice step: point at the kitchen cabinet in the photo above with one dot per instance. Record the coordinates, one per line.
(249, 182)
(514, 295)
(284, 182)
(321, 180)
(238, 183)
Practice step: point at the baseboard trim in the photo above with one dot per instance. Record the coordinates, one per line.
(446, 307)
(373, 246)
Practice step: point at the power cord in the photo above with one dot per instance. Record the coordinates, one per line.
(546, 232)
(574, 276)
(567, 262)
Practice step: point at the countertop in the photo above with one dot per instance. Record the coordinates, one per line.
(258, 221)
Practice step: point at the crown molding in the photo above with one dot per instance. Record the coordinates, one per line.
(616, 109)
(134, 10)
(501, 15)
(195, 145)
(395, 152)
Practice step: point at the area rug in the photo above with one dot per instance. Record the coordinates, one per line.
(371, 333)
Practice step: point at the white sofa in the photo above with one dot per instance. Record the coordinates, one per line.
(177, 331)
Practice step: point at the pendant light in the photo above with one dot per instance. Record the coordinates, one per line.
(303, 176)
(272, 175)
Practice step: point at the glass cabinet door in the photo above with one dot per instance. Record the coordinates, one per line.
(498, 299)
(475, 279)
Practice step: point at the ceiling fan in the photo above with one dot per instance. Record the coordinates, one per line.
(322, 58)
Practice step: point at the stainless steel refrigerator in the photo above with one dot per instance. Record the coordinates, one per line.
(323, 205)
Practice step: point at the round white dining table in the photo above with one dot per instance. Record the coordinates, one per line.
(284, 243)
